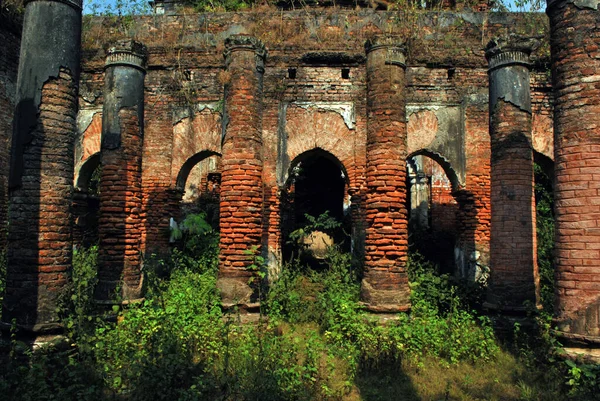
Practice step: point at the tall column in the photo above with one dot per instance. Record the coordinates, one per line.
(575, 49)
(514, 276)
(41, 170)
(241, 179)
(385, 284)
(119, 222)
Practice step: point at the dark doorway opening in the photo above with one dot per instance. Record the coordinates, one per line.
(316, 202)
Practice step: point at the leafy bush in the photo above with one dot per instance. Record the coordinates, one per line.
(76, 303)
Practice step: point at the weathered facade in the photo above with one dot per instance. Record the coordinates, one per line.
(394, 121)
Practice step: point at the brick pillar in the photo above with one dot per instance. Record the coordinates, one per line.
(119, 222)
(41, 170)
(241, 201)
(575, 49)
(272, 231)
(385, 284)
(514, 276)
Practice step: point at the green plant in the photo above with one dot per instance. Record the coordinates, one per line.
(583, 379)
(324, 222)
(544, 200)
(76, 303)
(199, 244)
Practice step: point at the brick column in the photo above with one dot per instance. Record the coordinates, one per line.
(385, 284)
(241, 201)
(575, 48)
(514, 276)
(41, 171)
(119, 222)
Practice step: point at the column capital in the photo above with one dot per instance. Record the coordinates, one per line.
(76, 4)
(127, 53)
(241, 42)
(393, 45)
(510, 50)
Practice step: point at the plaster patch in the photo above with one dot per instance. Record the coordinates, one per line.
(84, 119)
(344, 109)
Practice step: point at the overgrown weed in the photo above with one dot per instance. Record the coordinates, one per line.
(316, 343)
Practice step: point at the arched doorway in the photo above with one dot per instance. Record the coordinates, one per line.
(199, 180)
(432, 208)
(86, 202)
(315, 197)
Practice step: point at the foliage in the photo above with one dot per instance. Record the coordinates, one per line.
(12, 8)
(583, 379)
(436, 327)
(545, 236)
(317, 343)
(120, 8)
(197, 249)
(76, 303)
(324, 222)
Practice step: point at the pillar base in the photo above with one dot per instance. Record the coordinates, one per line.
(238, 292)
(579, 347)
(36, 341)
(118, 293)
(37, 330)
(384, 300)
(578, 340)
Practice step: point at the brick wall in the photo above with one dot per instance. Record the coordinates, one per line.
(314, 97)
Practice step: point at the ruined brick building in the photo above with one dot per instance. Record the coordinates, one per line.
(384, 118)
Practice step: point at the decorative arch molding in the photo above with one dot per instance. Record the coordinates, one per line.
(304, 127)
(439, 131)
(189, 164)
(193, 134)
(451, 173)
(85, 171)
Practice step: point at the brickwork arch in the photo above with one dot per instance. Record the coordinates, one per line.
(191, 137)
(444, 163)
(86, 204)
(85, 171)
(313, 128)
(432, 208)
(189, 164)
